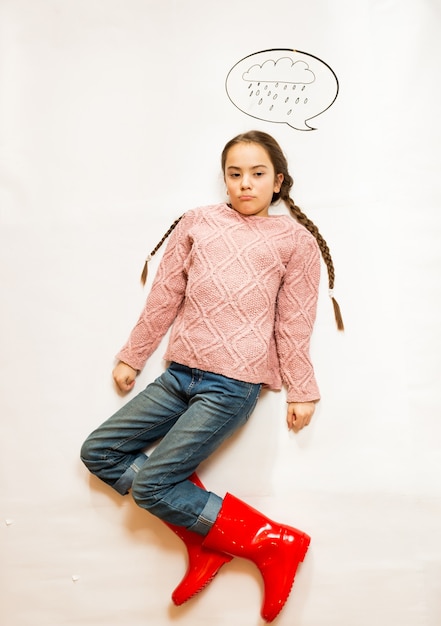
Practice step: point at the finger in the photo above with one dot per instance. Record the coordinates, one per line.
(127, 383)
(124, 384)
(300, 423)
(296, 424)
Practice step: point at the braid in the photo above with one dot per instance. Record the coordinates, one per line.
(324, 249)
(156, 248)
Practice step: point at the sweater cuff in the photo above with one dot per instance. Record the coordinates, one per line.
(295, 397)
(131, 361)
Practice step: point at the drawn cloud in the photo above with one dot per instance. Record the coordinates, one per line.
(284, 70)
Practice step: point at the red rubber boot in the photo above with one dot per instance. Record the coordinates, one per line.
(277, 550)
(203, 564)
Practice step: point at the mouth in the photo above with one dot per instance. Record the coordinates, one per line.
(246, 198)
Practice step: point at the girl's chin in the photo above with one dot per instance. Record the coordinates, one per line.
(246, 209)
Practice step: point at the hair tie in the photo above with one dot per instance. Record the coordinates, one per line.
(331, 293)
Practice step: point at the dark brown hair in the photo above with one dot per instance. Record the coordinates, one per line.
(280, 165)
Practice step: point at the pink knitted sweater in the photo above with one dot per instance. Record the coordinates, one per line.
(241, 294)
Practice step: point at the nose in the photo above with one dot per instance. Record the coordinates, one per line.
(245, 182)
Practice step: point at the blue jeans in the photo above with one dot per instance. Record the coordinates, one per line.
(190, 412)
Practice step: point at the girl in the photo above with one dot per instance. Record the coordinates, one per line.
(239, 288)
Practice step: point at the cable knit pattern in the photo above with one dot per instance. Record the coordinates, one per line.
(241, 294)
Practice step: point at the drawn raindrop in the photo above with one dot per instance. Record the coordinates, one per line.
(286, 99)
(269, 93)
(303, 87)
(275, 96)
(260, 101)
(258, 92)
(285, 86)
(266, 87)
(271, 107)
(306, 100)
(251, 93)
(297, 100)
(289, 112)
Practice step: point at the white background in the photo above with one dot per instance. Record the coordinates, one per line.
(113, 117)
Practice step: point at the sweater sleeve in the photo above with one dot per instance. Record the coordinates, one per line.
(164, 300)
(295, 317)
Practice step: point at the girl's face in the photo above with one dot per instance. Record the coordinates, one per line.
(250, 179)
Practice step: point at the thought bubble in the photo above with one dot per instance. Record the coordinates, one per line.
(282, 86)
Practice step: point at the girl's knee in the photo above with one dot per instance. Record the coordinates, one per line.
(89, 454)
(144, 492)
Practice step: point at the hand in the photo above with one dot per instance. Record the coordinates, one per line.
(124, 377)
(299, 414)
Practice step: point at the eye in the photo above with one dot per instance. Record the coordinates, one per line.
(259, 173)
(234, 175)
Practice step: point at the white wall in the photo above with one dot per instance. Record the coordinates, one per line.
(113, 116)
